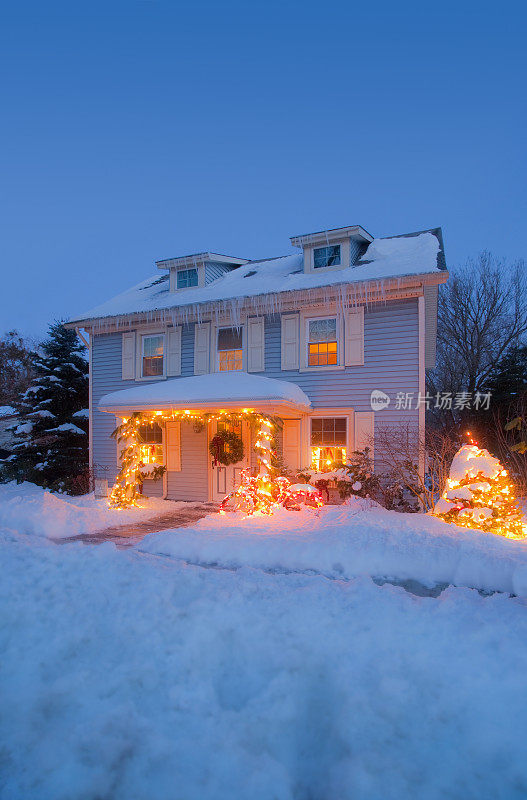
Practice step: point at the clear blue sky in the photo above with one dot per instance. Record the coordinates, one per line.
(135, 131)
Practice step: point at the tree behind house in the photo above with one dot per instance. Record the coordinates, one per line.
(16, 367)
(482, 317)
(52, 441)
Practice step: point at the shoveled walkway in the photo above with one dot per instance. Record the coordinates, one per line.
(128, 535)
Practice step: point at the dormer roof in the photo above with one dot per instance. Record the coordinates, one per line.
(394, 258)
(196, 259)
(333, 234)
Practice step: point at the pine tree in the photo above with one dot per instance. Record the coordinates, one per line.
(479, 495)
(52, 441)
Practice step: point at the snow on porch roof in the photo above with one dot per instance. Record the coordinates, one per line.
(215, 392)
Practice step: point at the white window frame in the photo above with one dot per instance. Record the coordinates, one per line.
(139, 366)
(341, 413)
(216, 352)
(187, 269)
(326, 247)
(306, 318)
(173, 277)
(345, 256)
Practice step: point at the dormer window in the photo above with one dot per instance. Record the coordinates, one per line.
(187, 278)
(326, 256)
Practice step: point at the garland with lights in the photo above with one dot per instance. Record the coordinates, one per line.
(226, 447)
(134, 471)
(480, 495)
(127, 488)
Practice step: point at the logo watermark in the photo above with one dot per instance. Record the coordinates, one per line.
(446, 401)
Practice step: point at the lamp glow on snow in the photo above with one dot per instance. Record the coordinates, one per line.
(480, 495)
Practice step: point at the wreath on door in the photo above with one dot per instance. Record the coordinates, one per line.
(226, 447)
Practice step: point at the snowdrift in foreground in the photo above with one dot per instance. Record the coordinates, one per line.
(130, 677)
(29, 509)
(356, 539)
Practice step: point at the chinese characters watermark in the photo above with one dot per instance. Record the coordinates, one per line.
(445, 401)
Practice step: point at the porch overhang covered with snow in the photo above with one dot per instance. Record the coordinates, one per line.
(222, 391)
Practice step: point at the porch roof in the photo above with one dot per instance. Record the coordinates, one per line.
(216, 392)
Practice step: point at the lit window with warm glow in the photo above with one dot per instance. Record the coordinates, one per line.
(322, 343)
(230, 349)
(328, 443)
(151, 444)
(153, 349)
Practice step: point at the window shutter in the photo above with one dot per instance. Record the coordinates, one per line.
(173, 355)
(291, 443)
(255, 345)
(354, 334)
(364, 430)
(173, 446)
(128, 360)
(290, 344)
(202, 348)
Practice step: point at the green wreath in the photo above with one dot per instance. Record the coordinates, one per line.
(226, 447)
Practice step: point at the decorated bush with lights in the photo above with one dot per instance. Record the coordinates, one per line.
(479, 494)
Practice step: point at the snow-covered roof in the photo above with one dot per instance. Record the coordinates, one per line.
(396, 257)
(218, 391)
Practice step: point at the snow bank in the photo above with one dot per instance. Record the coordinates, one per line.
(130, 677)
(29, 509)
(359, 538)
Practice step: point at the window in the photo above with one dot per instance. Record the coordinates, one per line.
(230, 352)
(151, 447)
(322, 348)
(153, 347)
(326, 256)
(328, 443)
(186, 278)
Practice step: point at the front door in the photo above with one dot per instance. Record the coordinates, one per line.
(225, 477)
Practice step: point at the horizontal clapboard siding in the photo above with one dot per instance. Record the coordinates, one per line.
(191, 483)
(391, 364)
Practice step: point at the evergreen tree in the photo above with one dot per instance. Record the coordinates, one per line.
(52, 440)
(16, 367)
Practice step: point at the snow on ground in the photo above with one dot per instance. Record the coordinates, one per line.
(28, 509)
(359, 538)
(135, 677)
(7, 411)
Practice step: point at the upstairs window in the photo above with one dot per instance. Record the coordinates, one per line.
(328, 443)
(322, 342)
(151, 447)
(186, 278)
(326, 256)
(230, 349)
(152, 356)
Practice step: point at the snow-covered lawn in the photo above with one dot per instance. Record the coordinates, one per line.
(359, 538)
(27, 508)
(129, 675)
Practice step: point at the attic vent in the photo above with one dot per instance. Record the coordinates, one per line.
(249, 274)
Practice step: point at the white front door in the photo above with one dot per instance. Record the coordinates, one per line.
(225, 477)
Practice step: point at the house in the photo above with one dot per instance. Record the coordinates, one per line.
(305, 337)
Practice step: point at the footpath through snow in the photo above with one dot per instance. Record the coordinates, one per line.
(359, 538)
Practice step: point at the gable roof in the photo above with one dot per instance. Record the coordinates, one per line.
(411, 254)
